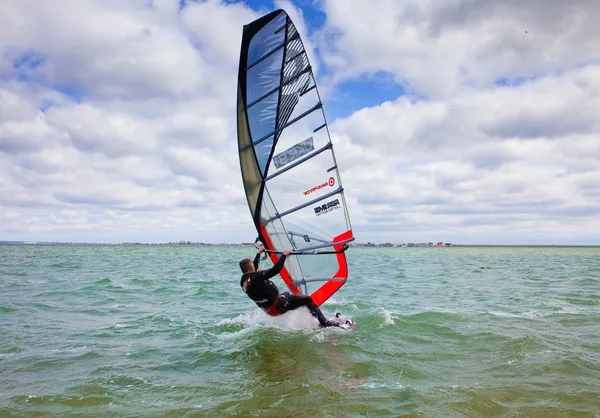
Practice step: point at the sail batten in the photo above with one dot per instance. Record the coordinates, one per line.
(302, 206)
(264, 96)
(289, 171)
(271, 52)
(276, 131)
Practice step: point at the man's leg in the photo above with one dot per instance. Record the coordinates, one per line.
(288, 302)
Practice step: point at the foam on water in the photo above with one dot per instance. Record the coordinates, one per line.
(388, 318)
(298, 319)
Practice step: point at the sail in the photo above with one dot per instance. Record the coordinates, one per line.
(289, 171)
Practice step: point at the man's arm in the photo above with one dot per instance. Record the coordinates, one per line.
(257, 258)
(273, 271)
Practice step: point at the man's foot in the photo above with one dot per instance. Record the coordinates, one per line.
(329, 324)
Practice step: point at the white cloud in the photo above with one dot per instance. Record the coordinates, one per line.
(122, 108)
(523, 157)
(216, 29)
(110, 49)
(117, 119)
(435, 48)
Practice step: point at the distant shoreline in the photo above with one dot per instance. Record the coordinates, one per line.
(527, 245)
(362, 245)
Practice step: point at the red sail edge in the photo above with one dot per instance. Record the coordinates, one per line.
(323, 293)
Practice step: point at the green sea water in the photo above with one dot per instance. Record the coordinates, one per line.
(165, 331)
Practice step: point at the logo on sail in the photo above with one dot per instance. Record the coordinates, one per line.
(293, 153)
(330, 182)
(327, 207)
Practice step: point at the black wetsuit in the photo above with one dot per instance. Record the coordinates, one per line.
(266, 294)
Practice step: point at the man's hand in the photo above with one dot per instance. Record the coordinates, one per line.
(287, 252)
(261, 250)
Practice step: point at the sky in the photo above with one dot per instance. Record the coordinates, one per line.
(463, 121)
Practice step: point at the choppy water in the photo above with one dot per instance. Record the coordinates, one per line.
(166, 331)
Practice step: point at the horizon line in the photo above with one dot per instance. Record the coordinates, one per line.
(361, 244)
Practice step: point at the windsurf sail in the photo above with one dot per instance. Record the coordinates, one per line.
(290, 175)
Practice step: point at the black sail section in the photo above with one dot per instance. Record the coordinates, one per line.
(289, 171)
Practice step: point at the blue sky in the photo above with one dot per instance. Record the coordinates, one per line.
(450, 122)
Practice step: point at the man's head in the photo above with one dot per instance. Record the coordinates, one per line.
(246, 265)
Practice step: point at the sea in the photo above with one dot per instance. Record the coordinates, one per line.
(165, 331)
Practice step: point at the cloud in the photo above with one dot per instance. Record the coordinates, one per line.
(436, 48)
(108, 49)
(499, 156)
(119, 108)
(117, 119)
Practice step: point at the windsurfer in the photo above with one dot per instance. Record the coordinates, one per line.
(256, 284)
